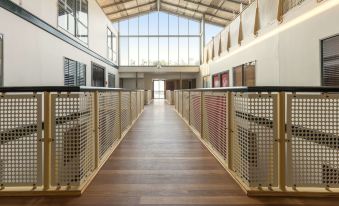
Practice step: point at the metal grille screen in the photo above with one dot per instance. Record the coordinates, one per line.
(20, 145)
(108, 121)
(254, 145)
(125, 111)
(215, 121)
(73, 145)
(195, 111)
(312, 122)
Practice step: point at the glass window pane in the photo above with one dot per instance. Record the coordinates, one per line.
(163, 48)
(143, 51)
(82, 11)
(82, 32)
(173, 51)
(133, 26)
(194, 27)
(123, 27)
(183, 26)
(124, 51)
(153, 23)
(143, 25)
(163, 23)
(62, 17)
(211, 31)
(173, 25)
(183, 51)
(133, 51)
(153, 51)
(194, 51)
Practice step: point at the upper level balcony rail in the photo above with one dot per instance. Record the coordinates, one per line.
(53, 140)
(272, 140)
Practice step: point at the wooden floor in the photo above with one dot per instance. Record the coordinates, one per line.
(161, 162)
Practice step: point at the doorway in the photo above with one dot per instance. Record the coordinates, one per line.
(159, 89)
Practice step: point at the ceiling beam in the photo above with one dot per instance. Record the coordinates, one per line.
(212, 6)
(196, 11)
(120, 3)
(158, 5)
(130, 8)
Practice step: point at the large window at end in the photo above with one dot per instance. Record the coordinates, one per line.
(330, 61)
(73, 17)
(159, 38)
(74, 73)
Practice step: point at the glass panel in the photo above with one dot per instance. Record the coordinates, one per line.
(173, 25)
(194, 51)
(62, 17)
(183, 26)
(163, 48)
(211, 31)
(133, 26)
(124, 51)
(183, 51)
(82, 32)
(153, 23)
(82, 11)
(143, 25)
(194, 27)
(123, 27)
(163, 23)
(143, 51)
(173, 51)
(153, 51)
(133, 51)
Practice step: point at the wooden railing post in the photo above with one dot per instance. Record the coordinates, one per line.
(281, 141)
(47, 139)
(96, 128)
(189, 108)
(230, 130)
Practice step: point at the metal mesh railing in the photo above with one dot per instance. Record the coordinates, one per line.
(186, 106)
(73, 145)
(138, 102)
(20, 149)
(134, 112)
(266, 143)
(215, 121)
(126, 111)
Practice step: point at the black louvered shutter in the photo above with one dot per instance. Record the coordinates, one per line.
(70, 67)
(330, 61)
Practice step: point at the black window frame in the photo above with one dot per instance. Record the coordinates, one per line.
(93, 65)
(322, 58)
(77, 79)
(73, 10)
(110, 84)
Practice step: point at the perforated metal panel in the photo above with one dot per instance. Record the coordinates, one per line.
(215, 121)
(108, 121)
(254, 145)
(312, 131)
(20, 145)
(180, 102)
(195, 111)
(186, 106)
(176, 100)
(134, 105)
(138, 103)
(125, 111)
(73, 138)
(142, 100)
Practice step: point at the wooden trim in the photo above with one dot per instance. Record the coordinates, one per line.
(96, 129)
(47, 139)
(281, 141)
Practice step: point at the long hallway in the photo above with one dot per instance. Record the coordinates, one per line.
(161, 162)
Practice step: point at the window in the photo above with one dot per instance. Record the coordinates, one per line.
(330, 61)
(74, 73)
(1, 61)
(225, 79)
(73, 17)
(98, 75)
(216, 80)
(244, 75)
(109, 44)
(159, 38)
(111, 80)
(206, 82)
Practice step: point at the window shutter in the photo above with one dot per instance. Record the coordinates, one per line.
(330, 61)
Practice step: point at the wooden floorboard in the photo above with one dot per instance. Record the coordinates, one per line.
(161, 162)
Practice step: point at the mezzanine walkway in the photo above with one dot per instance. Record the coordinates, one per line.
(161, 162)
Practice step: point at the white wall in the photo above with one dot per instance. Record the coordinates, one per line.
(288, 55)
(34, 57)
